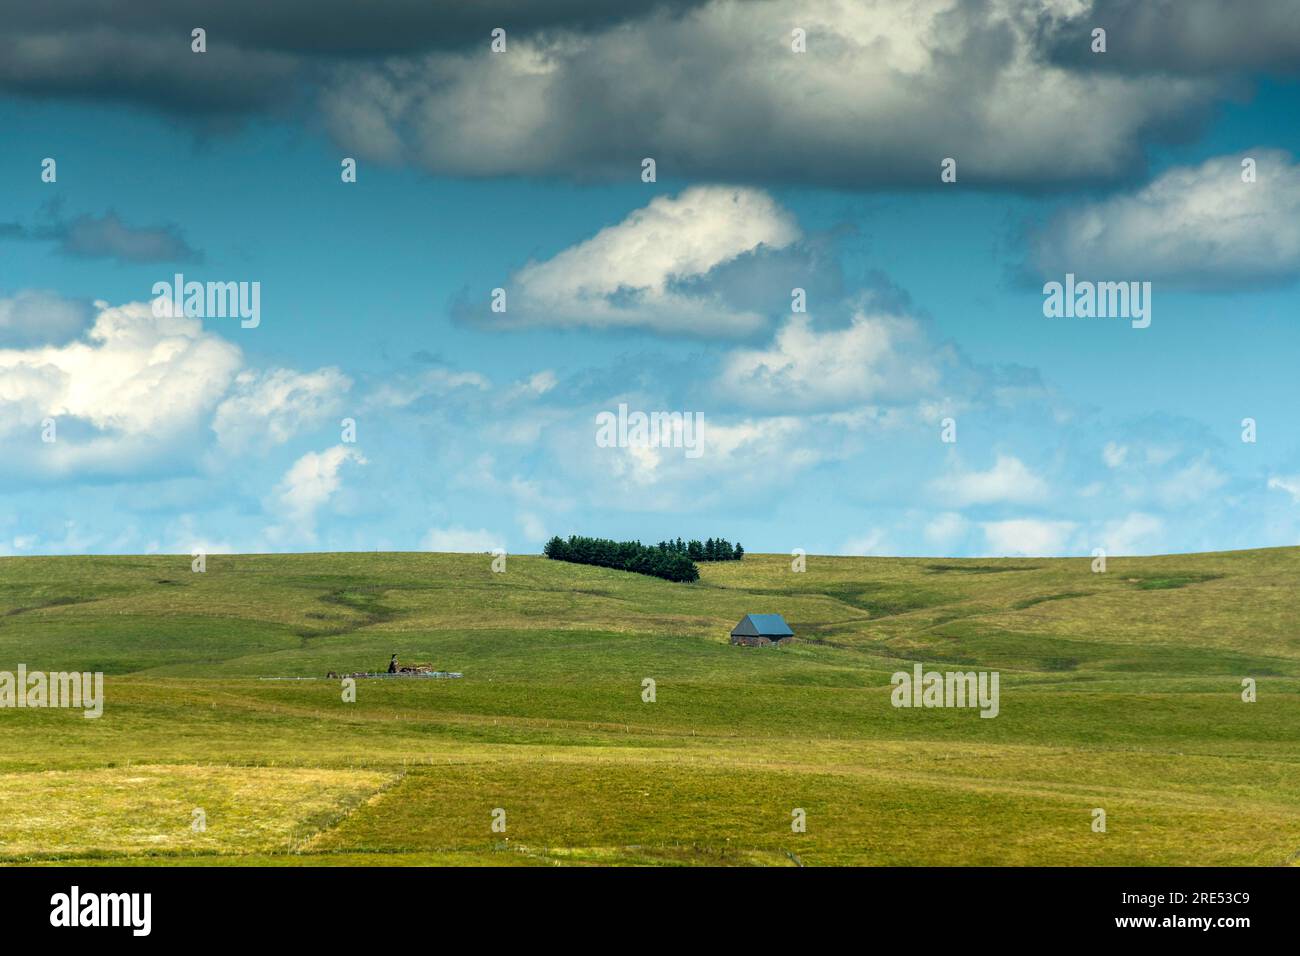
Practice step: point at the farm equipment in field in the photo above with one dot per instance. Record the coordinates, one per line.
(400, 675)
(409, 669)
(400, 670)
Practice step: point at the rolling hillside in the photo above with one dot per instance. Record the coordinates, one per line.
(1119, 691)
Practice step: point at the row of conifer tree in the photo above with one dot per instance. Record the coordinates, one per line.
(671, 560)
(714, 549)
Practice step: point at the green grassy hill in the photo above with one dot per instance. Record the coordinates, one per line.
(1119, 690)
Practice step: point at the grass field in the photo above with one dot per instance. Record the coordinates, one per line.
(1119, 691)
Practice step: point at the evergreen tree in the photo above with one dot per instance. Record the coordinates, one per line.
(624, 556)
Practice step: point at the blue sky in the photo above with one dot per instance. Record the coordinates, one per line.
(521, 170)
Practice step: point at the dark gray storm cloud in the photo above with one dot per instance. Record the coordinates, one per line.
(346, 28)
(260, 54)
(1190, 37)
(104, 237)
(867, 96)
(870, 95)
(157, 71)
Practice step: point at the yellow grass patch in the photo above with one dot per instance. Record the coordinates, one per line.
(151, 809)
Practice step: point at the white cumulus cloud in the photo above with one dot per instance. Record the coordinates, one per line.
(878, 357)
(1008, 480)
(1194, 226)
(117, 394)
(400, 391)
(1287, 483)
(268, 408)
(1136, 533)
(946, 529)
(639, 272)
(306, 487)
(1028, 537)
(458, 539)
(114, 378)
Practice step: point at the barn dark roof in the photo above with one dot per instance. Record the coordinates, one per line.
(762, 625)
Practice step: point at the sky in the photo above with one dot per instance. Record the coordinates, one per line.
(920, 171)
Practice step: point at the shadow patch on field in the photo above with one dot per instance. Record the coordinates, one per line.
(885, 600)
(53, 602)
(365, 601)
(978, 568)
(1044, 598)
(1164, 582)
(997, 647)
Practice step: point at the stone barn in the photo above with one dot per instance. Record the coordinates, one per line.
(761, 630)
